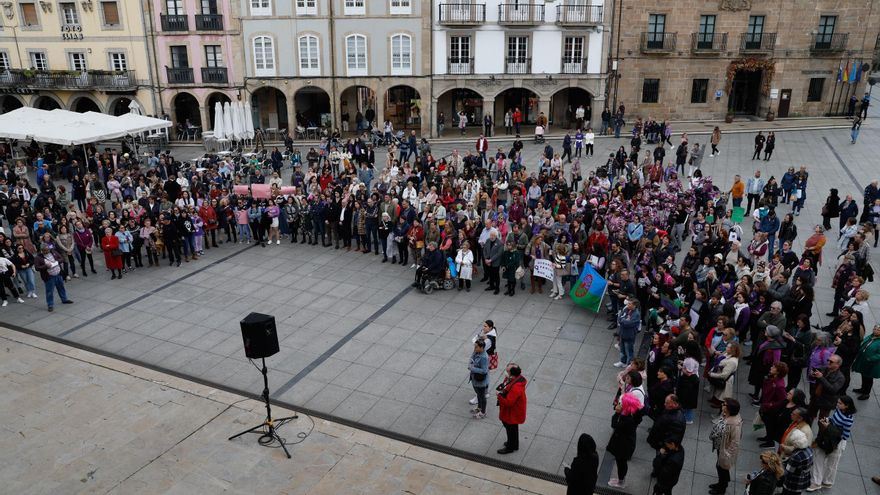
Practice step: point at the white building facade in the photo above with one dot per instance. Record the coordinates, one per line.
(491, 56)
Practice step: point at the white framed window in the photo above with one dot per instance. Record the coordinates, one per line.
(261, 7)
(355, 7)
(401, 55)
(39, 60)
(4, 62)
(77, 61)
(69, 15)
(356, 54)
(307, 7)
(400, 7)
(118, 61)
(213, 56)
(460, 55)
(309, 60)
(264, 56)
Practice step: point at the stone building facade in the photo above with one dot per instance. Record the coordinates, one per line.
(705, 59)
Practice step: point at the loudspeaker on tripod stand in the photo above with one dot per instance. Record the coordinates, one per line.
(260, 336)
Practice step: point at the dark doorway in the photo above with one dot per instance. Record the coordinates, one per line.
(745, 92)
(222, 98)
(120, 107)
(312, 105)
(403, 107)
(9, 103)
(46, 103)
(84, 105)
(513, 98)
(784, 103)
(186, 109)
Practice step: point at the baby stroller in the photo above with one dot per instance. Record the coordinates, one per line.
(539, 134)
(378, 138)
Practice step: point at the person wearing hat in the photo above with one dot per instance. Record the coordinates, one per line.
(688, 388)
(48, 263)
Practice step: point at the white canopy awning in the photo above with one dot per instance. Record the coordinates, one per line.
(72, 128)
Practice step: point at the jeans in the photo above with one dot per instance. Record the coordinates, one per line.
(27, 277)
(372, 237)
(771, 239)
(627, 350)
(688, 415)
(481, 397)
(55, 282)
(244, 232)
(737, 202)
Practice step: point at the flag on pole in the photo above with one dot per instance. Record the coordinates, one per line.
(840, 72)
(673, 306)
(589, 289)
(853, 72)
(859, 74)
(846, 72)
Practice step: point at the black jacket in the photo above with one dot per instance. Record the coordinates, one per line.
(668, 466)
(668, 424)
(688, 391)
(622, 443)
(581, 477)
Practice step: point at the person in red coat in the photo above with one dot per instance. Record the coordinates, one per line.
(512, 406)
(209, 216)
(110, 244)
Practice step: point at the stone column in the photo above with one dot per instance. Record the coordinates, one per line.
(488, 107)
(380, 107)
(432, 118)
(205, 114)
(291, 115)
(544, 106)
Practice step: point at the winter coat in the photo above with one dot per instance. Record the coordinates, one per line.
(688, 391)
(727, 367)
(622, 443)
(668, 467)
(669, 424)
(479, 364)
(108, 244)
(868, 360)
(581, 477)
(511, 260)
(512, 402)
(729, 448)
(464, 262)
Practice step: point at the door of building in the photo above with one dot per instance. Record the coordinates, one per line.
(745, 92)
(784, 103)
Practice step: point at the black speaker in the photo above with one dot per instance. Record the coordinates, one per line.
(260, 336)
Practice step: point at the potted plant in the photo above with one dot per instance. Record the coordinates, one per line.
(728, 117)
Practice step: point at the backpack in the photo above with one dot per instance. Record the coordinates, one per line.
(828, 438)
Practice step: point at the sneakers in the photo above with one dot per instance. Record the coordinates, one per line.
(20, 300)
(619, 365)
(558, 297)
(5, 303)
(473, 401)
(616, 483)
(277, 242)
(813, 488)
(479, 415)
(552, 294)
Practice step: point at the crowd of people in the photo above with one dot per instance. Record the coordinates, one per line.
(666, 238)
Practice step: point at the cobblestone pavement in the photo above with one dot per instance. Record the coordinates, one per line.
(128, 430)
(358, 344)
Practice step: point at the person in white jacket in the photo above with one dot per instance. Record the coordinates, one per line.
(464, 263)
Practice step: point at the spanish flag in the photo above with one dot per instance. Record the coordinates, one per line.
(846, 72)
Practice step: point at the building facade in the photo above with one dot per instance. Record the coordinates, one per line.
(196, 55)
(707, 59)
(496, 55)
(86, 55)
(324, 63)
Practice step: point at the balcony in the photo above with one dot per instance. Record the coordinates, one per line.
(829, 43)
(520, 14)
(517, 65)
(209, 22)
(757, 42)
(64, 79)
(708, 42)
(175, 23)
(180, 75)
(462, 14)
(460, 65)
(574, 65)
(578, 15)
(659, 42)
(214, 75)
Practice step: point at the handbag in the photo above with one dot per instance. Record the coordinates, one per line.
(493, 361)
(520, 273)
(116, 252)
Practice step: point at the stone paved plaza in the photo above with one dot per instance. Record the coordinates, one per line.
(357, 343)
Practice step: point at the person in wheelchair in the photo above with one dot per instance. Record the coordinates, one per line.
(432, 266)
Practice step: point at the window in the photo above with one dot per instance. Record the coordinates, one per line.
(264, 56)
(39, 61)
(355, 7)
(699, 90)
(4, 61)
(459, 54)
(307, 7)
(69, 15)
(656, 30)
(179, 57)
(356, 54)
(706, 35)
(401, 54)
(400, 7)
(261, 7)
(209, 7)
(817, 84)
(77, 61)
(651, 91)
(118, 61)
(754, 32)
(826, 31)
(213, 56)
(309, 64)
(29, 14)
(110, 13)
(517, 61)
(174, 7)
(573, 49)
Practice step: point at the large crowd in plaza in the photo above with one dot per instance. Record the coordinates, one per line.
(712, 293)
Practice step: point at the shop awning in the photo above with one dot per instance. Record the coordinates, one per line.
(71, 128)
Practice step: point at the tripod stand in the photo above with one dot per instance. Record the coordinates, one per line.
(269, 432)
